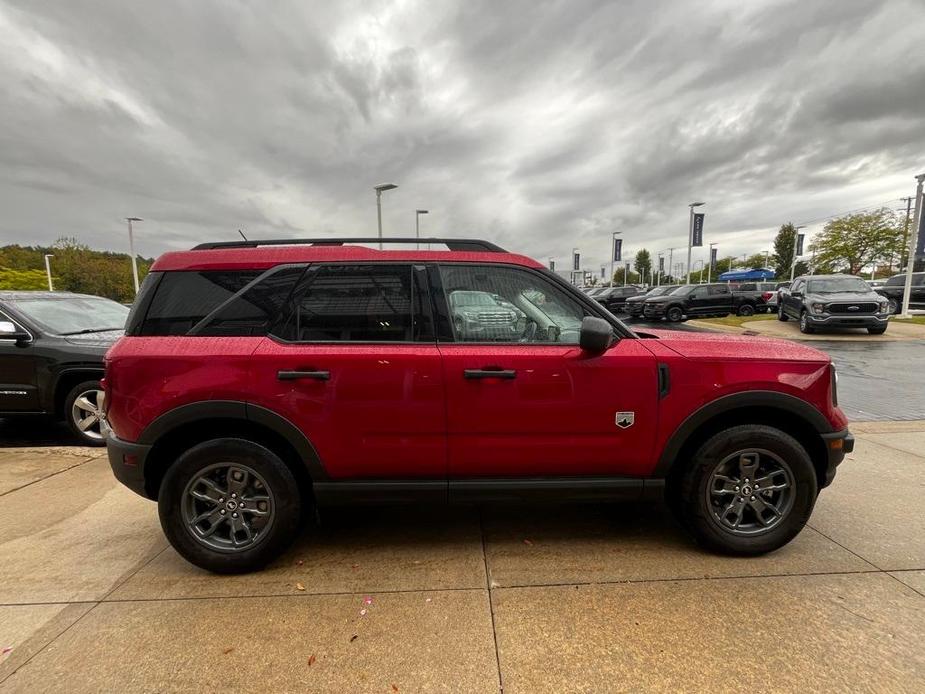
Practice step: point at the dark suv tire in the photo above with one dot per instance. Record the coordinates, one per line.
(749, 490)
(229, 505)
(746, 310)
(674, 314)
(781, 316)
(82, 414)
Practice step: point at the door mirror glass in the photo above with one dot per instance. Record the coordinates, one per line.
(596, 335)
(10, 331)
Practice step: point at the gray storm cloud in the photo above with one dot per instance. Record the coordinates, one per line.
(541, 125)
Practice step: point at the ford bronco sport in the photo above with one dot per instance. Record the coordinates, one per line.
(259, 379)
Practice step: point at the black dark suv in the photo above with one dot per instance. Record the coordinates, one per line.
(614, 298)
(833, 301)
(51, 356)
(895, 289)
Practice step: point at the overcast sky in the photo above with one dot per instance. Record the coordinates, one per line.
(539, 125)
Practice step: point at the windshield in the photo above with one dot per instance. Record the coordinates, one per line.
(73, 314)
(683, 289)
(837, 284)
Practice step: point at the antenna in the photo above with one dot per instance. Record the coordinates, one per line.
(242, 235)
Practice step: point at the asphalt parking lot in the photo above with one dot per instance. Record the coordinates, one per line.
(589, 598)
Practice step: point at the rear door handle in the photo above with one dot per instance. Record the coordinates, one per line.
(490, 372)
(297, 375)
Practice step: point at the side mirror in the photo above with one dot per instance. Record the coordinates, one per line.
(596, 335)
(9, 331)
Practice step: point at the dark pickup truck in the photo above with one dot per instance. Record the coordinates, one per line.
(895, 288)
(702, 301)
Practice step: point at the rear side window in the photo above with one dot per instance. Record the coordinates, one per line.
(359, 303)
(255, 308)
(184, 298)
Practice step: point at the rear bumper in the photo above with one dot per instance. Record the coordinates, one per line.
(837, 445)
(127, 461)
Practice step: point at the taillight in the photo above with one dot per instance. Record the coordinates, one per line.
(767, 296)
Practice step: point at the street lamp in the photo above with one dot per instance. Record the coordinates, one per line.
(379, 190)
(48, 270)
(710, 266)
(700, 260)
(131, 249)
(417, 226)
(613, 252)
(796, 239)
(913, 237)
(690, 237)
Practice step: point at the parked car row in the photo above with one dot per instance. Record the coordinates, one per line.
(675, 303)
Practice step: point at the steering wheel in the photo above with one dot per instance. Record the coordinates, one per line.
(529, 331)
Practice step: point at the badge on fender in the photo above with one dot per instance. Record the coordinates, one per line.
(625, 420)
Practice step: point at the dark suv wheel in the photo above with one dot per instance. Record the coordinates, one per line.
(82, 412)
(674, 314)
(229, 505)
(749, 490)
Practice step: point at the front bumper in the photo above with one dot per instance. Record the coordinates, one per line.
(654, 310)
(849, 321)
(127, 461)
(837, 445)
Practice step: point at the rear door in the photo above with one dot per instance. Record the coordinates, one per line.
(523, 400)
(355, 366)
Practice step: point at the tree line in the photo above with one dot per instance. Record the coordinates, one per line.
(75, 267)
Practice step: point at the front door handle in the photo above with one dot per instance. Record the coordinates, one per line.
(297, 375)
(490, 372)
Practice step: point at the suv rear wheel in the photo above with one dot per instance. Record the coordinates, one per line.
(81, 409)
(749, 490)
(229, 505)
(746, 310)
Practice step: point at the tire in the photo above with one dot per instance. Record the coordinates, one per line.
(223, 546)
(82, 413)
(893, 306)
(781, 316)
(877, 331)
(700, 499)
(805, 327)
(674, 314)
(746, 310)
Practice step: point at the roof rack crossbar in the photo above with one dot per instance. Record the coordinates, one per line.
(472, 245)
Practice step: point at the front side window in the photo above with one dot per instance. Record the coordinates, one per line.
(718, 290)
(503, 304)
(359, 303)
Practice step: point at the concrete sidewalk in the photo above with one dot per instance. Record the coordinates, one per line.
(580, 598)
(897, 331)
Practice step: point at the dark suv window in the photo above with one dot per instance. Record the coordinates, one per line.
(357, 303)
(255, 308)
(182, 299)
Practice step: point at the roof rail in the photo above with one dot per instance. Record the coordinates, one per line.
(472, 245)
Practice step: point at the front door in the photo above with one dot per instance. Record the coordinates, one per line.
(356, 368)
(699, 301)
(18, 388)
(523, 400)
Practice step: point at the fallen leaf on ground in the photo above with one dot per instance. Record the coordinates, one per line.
(528, 542)
(354, 638)
(394, 687)
(367, 600)
(226, 651)
(311, 660)
(300, 562)
(299, 586)
(354, 566)
(6, 649)
(363, 612)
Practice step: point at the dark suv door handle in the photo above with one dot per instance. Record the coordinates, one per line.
(490, 372)
(296, 375)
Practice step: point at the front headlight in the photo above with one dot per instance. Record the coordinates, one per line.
(818, 308)
(884, 306)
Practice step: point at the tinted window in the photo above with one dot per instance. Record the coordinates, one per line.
(352, 303)
(184, 298)
(515, 306)
(718, 289)
(699, 293)
(254, 309)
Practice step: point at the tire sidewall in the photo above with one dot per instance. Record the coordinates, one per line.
(698, 515)
(674, 314)
(746, 310)
(805, 327)
(278, 478)
(72, 396)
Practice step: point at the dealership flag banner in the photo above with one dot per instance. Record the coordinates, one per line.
(603, 272)
(661, 264)
(576, 261)
(698, 230)
(799, 245)
(552, 265)
(713, 258)
(617, 249)
(626, 273)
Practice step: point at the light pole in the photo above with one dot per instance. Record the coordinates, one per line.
(710, 266)
(910, 251)
(613, 252)
(131, 249)
(690, 237)
(700, 281)
(48, 270)
(670, 261)
(417, 226)
(379, 190)
(796, 239)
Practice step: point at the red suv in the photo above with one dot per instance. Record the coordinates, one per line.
(257, 379)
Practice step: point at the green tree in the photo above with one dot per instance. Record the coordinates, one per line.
(643, 264)
(784, 245)
(852, 242)
(13, 278)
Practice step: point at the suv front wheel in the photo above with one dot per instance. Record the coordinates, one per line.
(229, 505)
(749, 490)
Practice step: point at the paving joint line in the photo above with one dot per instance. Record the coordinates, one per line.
(491, 604)
(851, 551)
(54, 474)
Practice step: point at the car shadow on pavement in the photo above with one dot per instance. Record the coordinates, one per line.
(32, 432)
